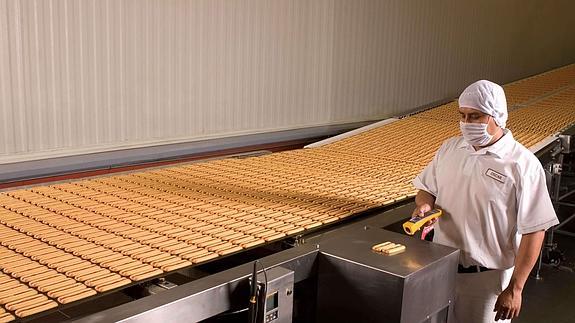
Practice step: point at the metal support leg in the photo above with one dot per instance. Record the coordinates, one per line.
(555, 196)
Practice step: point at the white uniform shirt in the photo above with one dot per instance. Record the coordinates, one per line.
(489, 198)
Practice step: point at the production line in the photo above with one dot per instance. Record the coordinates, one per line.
(70, 242)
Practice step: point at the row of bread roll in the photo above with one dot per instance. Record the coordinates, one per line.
(198, 254)
(16, 292)
(225, 210)
(304, 188)
(67, 262)
(539, 85)
(355, 193)
(98, 253)
(258, 201)
(217, 218)
(212, 244)
(130, 241)
(20, 299)
(279, 194)
(249, 211)
(329, 169)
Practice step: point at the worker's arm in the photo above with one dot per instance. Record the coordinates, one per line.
(424, 202)
(508, 303)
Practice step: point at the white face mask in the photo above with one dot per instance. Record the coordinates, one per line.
(475, 133)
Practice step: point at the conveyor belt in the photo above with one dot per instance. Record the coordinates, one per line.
(65, 242)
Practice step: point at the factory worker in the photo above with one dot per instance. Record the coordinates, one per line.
(496, 207)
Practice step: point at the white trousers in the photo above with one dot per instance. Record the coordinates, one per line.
(476, 294)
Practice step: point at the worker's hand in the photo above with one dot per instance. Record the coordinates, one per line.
(421, 209)
(508, 304)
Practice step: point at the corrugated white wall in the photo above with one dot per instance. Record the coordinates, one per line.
(80, 76)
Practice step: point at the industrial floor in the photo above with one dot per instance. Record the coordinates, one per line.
(550, 299)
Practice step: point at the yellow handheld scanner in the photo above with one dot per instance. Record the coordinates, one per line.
(415, 223)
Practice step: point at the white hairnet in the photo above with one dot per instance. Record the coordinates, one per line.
(488, 98)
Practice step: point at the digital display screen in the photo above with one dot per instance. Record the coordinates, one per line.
(272, 302)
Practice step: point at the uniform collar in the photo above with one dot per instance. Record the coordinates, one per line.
(499, 149)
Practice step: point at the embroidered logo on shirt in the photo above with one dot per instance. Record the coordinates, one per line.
(495, 175)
